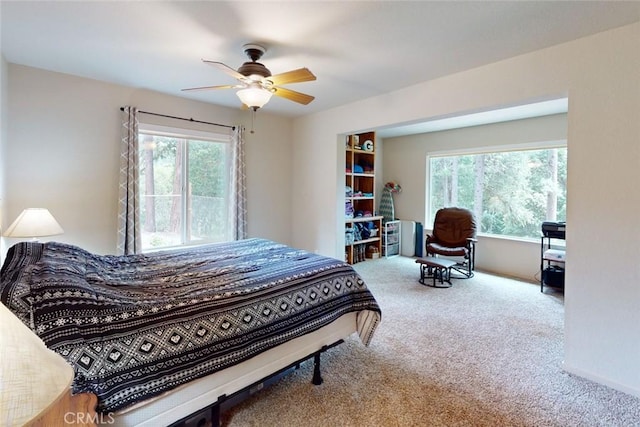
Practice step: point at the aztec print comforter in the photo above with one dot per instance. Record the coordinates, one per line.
(136, 326)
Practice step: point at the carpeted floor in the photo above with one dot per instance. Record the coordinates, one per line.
(485, 352)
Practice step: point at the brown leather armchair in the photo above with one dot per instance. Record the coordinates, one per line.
(454, 235)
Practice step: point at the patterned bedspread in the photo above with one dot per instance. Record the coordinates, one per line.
(136, 326)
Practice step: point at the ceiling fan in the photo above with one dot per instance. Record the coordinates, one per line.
(256, 83)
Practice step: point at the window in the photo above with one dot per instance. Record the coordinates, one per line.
(183, 186)
(510, 192)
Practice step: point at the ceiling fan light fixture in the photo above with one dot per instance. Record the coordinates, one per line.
(254, 97)
(257, 84)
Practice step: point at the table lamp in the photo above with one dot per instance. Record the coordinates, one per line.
(34, 223)
(32, 377)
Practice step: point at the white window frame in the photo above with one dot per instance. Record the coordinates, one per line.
(187, 134)
(539, 145)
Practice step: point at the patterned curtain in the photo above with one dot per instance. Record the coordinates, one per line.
(238, 199)
(129, 235)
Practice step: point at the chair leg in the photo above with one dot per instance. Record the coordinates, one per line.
(464, 269)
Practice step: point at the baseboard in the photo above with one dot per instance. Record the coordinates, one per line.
(600, 380)
(534, 281)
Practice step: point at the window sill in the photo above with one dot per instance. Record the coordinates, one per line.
(526, 240)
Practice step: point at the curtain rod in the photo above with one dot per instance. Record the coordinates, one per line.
(182, 118)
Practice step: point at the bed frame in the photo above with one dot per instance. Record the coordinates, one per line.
(213, 412)
(207, 398)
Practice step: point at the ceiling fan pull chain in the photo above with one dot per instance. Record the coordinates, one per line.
(253, 116)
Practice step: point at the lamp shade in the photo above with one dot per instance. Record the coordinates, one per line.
(34, 222)
(254, 97)
(32, 377)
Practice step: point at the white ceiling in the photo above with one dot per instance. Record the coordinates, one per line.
(357, 49)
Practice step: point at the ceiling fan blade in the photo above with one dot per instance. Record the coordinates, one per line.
(225, 68)
(293, 76)
(211, 87)
(294, 96)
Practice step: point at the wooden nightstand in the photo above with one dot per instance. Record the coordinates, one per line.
(77, 410)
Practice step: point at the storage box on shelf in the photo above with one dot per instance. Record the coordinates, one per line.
(391, 238)
(362, 226)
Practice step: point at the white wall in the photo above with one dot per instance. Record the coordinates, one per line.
(405, 162)
(599, 74)
(62, 153)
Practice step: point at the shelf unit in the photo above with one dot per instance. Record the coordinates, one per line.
(360, 184)
(391, 238)
(552, 262)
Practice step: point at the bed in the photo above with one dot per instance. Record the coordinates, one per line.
(157, 337)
